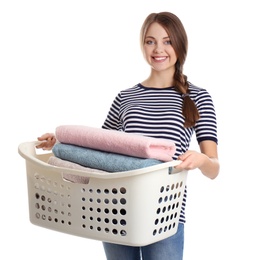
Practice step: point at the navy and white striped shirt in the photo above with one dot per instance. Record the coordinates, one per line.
(157, 112)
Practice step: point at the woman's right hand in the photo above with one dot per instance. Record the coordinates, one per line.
(47, 141)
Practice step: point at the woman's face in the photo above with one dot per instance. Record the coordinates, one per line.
(158, 50)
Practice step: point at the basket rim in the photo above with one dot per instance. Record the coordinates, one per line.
(27, 150)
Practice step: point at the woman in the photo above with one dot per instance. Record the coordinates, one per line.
(165, 105)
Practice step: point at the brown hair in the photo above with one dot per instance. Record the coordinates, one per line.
(175, 29)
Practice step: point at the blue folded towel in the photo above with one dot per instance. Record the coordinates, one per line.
(110, 162)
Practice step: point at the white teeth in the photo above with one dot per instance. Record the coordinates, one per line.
(162, 58)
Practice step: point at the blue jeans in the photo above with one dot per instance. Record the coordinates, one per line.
(167, 249)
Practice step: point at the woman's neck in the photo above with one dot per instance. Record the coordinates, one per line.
(158, 80)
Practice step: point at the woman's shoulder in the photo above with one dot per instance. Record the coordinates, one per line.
(196, 90)
(199, 94)
(135, 88)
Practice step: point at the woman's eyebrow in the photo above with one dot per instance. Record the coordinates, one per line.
(167, 37)
(149, 37)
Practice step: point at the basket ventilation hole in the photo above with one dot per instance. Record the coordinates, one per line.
(168, 205)
(97, 200)
(47, 210)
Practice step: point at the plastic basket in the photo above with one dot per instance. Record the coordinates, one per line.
(136, 208)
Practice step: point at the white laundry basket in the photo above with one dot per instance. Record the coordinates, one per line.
(136, 207)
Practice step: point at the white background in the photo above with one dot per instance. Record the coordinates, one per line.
(63, 62)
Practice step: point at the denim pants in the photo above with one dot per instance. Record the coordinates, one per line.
(167, 249)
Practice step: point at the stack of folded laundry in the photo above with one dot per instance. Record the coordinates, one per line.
(102, 150)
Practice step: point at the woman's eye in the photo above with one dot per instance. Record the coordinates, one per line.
(149, 42)
(168, 42)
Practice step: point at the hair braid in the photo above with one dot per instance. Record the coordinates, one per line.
(189, 109)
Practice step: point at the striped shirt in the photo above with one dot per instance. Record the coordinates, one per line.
(157, 112)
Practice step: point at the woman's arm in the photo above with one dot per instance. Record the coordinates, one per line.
(206, 160)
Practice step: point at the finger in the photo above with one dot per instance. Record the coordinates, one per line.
(180, 157)
(41, 145)
(179, 166)
(46, 136)
(43, 137)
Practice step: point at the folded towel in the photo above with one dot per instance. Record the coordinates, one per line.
(116, 142)
(67, 164)
(109, 162)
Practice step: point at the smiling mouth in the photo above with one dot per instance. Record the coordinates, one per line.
(159, 58)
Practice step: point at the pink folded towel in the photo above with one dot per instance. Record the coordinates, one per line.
(116, 142)
(67, 164)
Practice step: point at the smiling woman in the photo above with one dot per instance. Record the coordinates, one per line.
(164, 105)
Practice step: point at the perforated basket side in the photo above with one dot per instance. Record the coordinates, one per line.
(134, 209)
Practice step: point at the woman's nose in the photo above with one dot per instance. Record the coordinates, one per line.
(158, 48)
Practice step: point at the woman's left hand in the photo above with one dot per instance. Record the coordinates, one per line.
(206, 160)
(191, 160)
